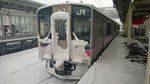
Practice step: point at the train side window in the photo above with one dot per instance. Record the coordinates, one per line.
(108, 29)
(0, 26)
(116, 28)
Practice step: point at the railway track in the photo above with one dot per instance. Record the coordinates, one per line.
(25, 68)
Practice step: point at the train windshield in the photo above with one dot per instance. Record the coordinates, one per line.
(80, 21)
(44, 22)
(81, 24)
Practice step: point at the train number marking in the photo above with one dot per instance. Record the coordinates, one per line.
(81, 12)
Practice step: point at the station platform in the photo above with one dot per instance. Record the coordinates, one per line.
(112, 67)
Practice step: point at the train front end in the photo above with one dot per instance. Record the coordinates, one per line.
(64, 39)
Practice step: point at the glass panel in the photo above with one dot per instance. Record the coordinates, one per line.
(17, 26)
(44, 21)
(81, 27)
(0, 26)
(35, 26)
(61, 30)
(81, 22)
(13, 26)
(44, 26)
(28, 25)
(6, 25)
(108, 29)
(31, 24)
(23, 25)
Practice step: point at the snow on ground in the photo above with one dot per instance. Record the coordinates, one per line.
(112, 68)
(25, 68)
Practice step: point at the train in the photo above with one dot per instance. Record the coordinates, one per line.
(72, 36)
(18, 31)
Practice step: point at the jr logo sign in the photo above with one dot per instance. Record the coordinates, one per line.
(81, 12)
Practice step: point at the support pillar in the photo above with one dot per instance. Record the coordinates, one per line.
(147, 29)
(148, 58)
(126, 27)
(2, 25)
(129, 22)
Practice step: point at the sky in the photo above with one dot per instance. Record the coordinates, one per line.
(97, 3)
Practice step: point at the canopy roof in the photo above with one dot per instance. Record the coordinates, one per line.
(141, 8)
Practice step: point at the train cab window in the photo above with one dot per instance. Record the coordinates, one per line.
(0, 26)
(61, 29)
(82, 28)
(81, 24)
(44, 22)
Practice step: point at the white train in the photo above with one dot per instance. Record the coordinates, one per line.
(72, 36)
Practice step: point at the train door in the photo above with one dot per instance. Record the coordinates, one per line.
(61, 36)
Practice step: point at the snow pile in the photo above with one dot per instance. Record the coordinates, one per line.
(75, 48)
(58, 52)
(45, 49)
(78, 54)
(136, 53)
(59, 63)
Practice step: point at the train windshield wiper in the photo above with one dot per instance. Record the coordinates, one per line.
(48, 34)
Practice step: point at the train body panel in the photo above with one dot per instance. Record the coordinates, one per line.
(72, 36)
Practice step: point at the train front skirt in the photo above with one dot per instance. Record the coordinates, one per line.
(74, 75)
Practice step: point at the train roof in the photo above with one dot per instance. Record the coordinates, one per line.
(71, 3)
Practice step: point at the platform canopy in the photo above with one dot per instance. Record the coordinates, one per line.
(22, 5)
(141, 8)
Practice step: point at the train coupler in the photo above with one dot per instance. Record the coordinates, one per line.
(68, 68)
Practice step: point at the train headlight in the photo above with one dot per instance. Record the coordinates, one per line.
(45, 50)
